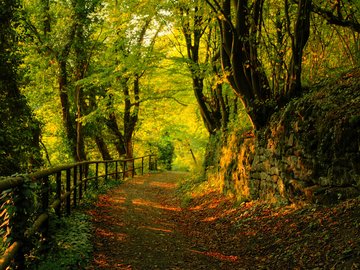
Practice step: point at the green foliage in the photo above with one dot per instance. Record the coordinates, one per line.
(110, 42)
(91, 195)
(165, 150)
(18, 136)
(170, 108)
(213, 151)
(18, 212)
(189, 186)
(70, 246)
(19, 132)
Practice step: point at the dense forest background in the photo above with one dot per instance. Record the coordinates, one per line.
(90, 79)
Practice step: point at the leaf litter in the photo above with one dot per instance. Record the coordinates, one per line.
(141, 225)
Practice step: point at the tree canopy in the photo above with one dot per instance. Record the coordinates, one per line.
(113, 78)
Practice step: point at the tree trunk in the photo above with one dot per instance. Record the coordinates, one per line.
(103, 148)
(131, 112)
(129, 148)
(240, 26)
(80, 71)
(46, 16)
(192, 155)
(111, 123)
(299, 40)
(80, 140)
(198, 87)
(67, 119)
(211, 108)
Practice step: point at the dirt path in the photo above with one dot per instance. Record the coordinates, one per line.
(140, 225)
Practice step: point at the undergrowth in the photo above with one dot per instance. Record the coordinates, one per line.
(195, 185)
(187, 187)
(69, 245)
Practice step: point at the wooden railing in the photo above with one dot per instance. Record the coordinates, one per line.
(60, 190)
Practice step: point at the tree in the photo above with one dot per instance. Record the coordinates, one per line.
(132, 48)
(240, 24)
(19, 131)
(69, 45)
(202, 58)
(55, 39)
(339, 12)
(264, 71)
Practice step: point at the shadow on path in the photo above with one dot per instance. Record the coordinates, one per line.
(140, 225)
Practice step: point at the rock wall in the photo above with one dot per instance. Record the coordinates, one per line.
(309, 151)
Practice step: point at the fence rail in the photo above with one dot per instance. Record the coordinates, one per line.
(61, 189)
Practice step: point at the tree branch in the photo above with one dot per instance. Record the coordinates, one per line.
(331, 18)
(164, 97)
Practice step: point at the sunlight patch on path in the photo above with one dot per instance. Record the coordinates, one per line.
(155, 205)
(217, 255)
(163, 185)
(157, 229)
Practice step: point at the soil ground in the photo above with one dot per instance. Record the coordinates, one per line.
(141, 225)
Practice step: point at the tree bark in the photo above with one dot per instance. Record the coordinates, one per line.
(131, 114)
(103, 149)
(80, 71)
(299, 40)
(111, 123)
(46, 16)
(67, 119)
(213, 108)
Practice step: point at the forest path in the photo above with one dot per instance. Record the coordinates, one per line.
(140, 225)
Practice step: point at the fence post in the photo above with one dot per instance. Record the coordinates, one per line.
(80, 181)
(68, 187)
(124, 169)
(106, 171)
(58, 193)
(75, 185)
(17, 225)
(45, 190)
(133, 168)
(86, 176)
(97, 175)
(142, 166)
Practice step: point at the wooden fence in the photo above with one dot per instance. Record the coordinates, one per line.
(60, 190)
